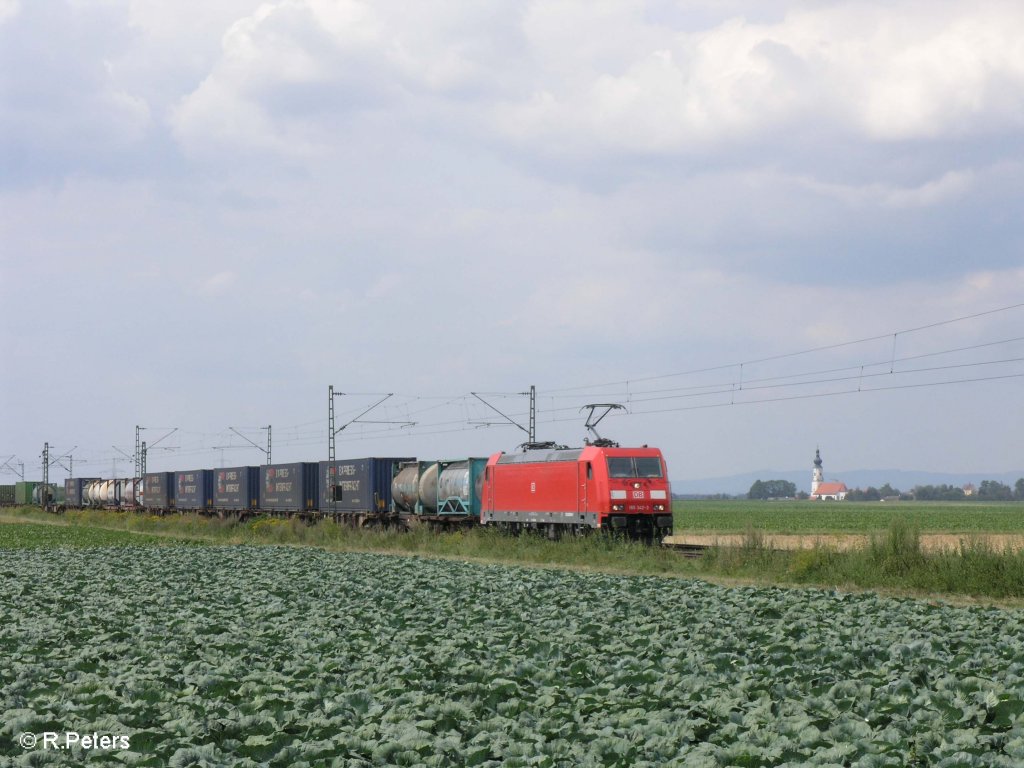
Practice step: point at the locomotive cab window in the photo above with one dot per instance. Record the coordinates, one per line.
(634, 466)
(648, 466)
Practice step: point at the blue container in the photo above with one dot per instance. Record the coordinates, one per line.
(193, 490)
(74, 488)
(158, 490)
(289, 487)
(358, 485)
(236, 488)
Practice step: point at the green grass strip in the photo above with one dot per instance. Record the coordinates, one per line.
(891, 559)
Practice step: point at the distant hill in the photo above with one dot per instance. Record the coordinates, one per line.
(901, 479)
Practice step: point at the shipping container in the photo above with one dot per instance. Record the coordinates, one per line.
(236, 488)
(6, 495)
(193, 490)
(23, 492)
(74, 490)
(289, 487)
(358, 485)
(158, 490)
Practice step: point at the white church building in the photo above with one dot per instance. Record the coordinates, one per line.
(822, 491)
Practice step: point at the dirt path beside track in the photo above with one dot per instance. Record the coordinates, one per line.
(930, 542)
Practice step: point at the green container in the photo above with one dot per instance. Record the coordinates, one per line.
(6, 495)
(23, 492)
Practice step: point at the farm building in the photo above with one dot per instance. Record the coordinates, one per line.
(830, 492)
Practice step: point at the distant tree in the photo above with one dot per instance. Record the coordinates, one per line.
(887, 490)
(868, 494)
(993, 490)
(803, 495)
(772, 489)
(938, 493)
(1018, 489)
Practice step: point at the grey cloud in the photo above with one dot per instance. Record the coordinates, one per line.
(357, 198)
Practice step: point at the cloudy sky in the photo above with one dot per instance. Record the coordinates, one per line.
(209, 212)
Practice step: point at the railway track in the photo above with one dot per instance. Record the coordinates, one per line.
(686, 549)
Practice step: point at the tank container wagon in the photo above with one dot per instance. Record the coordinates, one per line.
(131, 492)
(596, 487)
(45, 495)
(444, 492)
(104, 494)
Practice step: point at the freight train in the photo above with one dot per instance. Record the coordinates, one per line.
(547, 488)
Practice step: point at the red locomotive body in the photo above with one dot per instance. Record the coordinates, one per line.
(593, 487)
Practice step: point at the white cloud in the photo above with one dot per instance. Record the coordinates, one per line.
(217, 284)
(9, 9)
(946, 188)
(583, 77)
(882, 71)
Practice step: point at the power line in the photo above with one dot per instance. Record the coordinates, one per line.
(798, 353)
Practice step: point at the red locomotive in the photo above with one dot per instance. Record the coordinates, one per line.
(624, 489)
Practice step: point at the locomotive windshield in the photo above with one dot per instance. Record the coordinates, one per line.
(634, 466)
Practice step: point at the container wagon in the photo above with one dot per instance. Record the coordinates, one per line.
(158, 491)
(74, 491)
(23, 492)
(358, 491)
(193, 490)
(291, 488)
(236, 489)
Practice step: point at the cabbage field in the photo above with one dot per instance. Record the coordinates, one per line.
(248, 656)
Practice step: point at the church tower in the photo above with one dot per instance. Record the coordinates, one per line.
(816, 475)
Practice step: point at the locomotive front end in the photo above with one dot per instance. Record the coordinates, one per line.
(639, 494)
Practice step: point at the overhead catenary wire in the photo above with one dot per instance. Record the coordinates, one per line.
(798, 353)
(453, 414)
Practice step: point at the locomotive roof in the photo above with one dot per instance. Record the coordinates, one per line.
(532, 457)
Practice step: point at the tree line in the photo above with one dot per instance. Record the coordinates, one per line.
(988, 490)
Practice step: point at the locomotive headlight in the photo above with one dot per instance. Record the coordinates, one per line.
(659, 507)
(618, 507)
